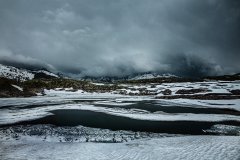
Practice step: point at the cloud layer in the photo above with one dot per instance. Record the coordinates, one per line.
(116, 38)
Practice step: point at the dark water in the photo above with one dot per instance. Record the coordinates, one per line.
(106, 121)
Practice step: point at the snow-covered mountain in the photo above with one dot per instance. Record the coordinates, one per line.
(104, 79)
(151, 76)
(18, 74)
(23, 74)
(141, 76)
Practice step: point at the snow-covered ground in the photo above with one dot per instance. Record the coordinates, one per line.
(208, 87)
(186, 147)
(52, 142)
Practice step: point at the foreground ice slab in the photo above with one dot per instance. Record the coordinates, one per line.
(187, 148)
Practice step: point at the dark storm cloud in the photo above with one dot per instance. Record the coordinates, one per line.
(106, 37)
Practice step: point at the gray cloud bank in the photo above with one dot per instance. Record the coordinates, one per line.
(117, 38)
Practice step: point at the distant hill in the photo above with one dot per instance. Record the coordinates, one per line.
(140, 76)
(224, 77)
(104, 79)
(152, 76)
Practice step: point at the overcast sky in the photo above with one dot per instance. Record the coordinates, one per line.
(121, 37)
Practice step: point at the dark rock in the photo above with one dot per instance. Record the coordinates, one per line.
(153, 86)
(167, 92)
(235, 92)
(191, 91)
(41, 75)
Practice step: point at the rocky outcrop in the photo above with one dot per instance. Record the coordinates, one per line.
(191, 91)
(11, 88)
(235, 92)
(167, 92)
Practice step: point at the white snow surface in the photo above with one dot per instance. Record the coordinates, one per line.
(177, 148)
(67, 93)
(209, 87)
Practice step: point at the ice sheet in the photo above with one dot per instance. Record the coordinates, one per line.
(187, 148)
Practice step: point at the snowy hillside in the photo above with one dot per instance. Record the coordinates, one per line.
(15, 73)
(22, 74)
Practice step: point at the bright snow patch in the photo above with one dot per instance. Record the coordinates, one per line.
(19, 88)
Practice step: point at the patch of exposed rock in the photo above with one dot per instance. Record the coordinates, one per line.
(167, 92)
(7, 89)
(235, 92)
(191, 91)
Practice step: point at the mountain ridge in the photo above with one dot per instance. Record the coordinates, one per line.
(20, 74)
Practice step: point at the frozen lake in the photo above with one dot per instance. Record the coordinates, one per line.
(116, 122)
